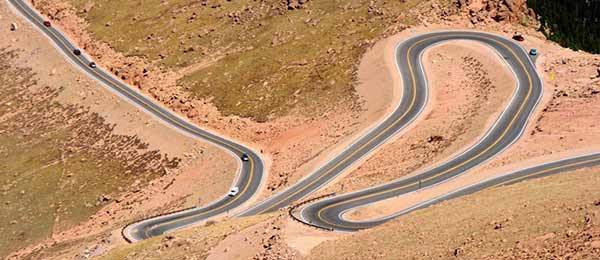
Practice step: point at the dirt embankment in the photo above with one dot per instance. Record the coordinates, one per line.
(542, 218)
(88, 161)
(468, 87)
(562, 125)
(314, 82)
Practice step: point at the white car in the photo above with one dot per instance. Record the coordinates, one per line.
(245, 157)
(234, 191)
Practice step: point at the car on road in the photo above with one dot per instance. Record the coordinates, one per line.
(245, 157)
(77, 52)
(234, 191)
(47, 23)
(533, 52)
(93, 65)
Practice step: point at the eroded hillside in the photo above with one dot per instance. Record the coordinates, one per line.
(59, 164)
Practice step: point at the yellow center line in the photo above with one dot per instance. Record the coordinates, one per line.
(172, 121)
(251, 162)
(502, 183)
(319, 213)
(411, 105)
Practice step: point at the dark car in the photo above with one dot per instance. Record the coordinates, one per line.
(47, 23)
(93, 65)
(77, 52)
(518, 37)
(245, 157)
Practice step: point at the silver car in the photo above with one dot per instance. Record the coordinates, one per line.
(234, 191)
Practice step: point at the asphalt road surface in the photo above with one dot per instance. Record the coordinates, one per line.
(328, 214)
(504, 132)
(250, 174)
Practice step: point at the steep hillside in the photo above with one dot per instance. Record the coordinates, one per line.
(573, 24)
(277, 74)
(53, 160)
(257, 59)
(284, 76)
(78, 162)
(543, 218)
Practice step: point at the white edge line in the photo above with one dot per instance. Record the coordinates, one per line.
(467, 150)
(481, 139)
(131, 102)
(369, 130)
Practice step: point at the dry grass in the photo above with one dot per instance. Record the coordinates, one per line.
(54, 171)
(194, 243)
(481, 225)
(254, 59)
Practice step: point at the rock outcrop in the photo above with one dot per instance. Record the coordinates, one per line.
(497, 10)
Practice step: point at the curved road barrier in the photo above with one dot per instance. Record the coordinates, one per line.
(328, 214)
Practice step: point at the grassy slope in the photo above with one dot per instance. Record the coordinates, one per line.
(269, 60)
(484, 225)
(51, 177)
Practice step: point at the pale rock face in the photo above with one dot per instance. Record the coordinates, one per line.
(497, 10)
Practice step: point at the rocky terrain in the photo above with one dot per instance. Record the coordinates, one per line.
(284, 76)
(467, 90)
(227, 67)
(78, 162)
(55, 171)
(521, 221)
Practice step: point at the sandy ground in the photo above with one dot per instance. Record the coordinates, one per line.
(206, 172)
(559, 128)
(530, 218)
(295, 144)
(457, 112)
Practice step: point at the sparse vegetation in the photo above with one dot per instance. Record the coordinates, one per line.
(257, 59)
(194, 242)
(54, 166)
(551, 218)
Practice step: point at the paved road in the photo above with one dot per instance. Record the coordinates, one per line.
(250, 174)
(328, 213)
(505, 131)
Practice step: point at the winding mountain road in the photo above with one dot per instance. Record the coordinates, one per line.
(328, 213)
(505, 131)
(250, 173)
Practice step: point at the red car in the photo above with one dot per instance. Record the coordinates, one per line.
(47, 23)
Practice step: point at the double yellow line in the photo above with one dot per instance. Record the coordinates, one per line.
(410, 107)
(320, 212)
